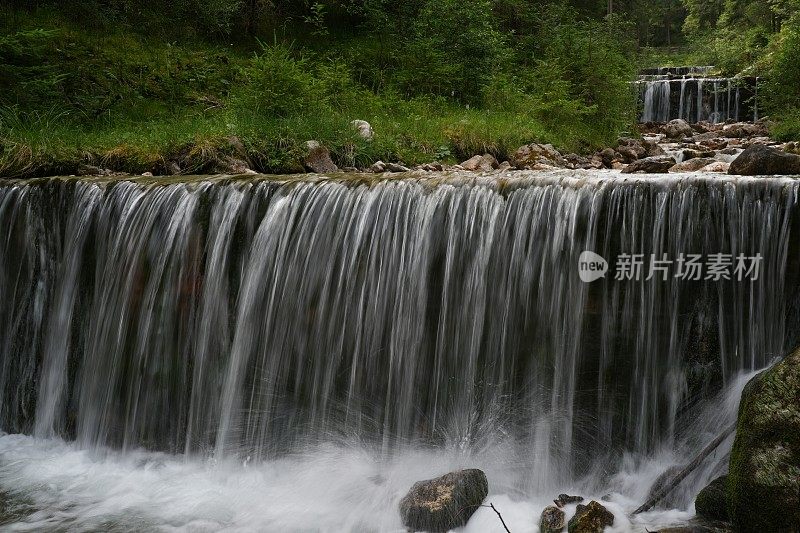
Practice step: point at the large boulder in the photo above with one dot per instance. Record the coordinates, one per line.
(711, 503)
(534, 156)
(444, 503)
(764, 477)
(553, 520)
(761, 160)
(318, 159)
(678, 129)
(650, 165)
(592, 518)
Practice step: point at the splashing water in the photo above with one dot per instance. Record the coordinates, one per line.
(292, 355)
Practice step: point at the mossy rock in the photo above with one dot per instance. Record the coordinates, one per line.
(444, 503)
(764, 479)
(711, 503)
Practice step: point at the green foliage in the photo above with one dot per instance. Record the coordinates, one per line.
(278, 84)
(454, 50)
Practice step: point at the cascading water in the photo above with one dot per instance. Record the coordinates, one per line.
(690, 94)
(348, 337)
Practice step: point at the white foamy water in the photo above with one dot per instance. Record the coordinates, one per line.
(330, 488)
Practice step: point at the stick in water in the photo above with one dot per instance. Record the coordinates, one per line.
(674, 482)
(498, 516)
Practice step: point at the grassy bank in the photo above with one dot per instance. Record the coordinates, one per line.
(129, 102)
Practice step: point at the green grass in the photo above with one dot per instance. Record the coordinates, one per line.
(132, 103)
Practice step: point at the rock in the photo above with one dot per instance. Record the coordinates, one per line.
(395, 167)
(232, 165)
(792, 148)
(693, 165)
(553, 520)
(743, 129)
(711, 503)
(760, 160)
(535, 155)
(89, 170)
(678, 129)
(653, 149)
(661, 482)
(688, 154)
(378, 167)
(717, 166)
(174, 168)
(650, 165)
(431, 167)
(630, 149)
(609, 156)
(318, 159)
(147, 174)
(444, 503)
(481, 163)
(592, 518)
(764, 478)
(575, 161)
(364, 129)
(505, 166)
(565, 499)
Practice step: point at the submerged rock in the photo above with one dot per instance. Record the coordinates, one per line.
(592, 518)
(444, 503)
(650, 165)
(764, 478)
(761, 160)
(711, 503)
(553, 520)
(318, 159)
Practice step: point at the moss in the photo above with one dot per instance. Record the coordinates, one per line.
(764, 480)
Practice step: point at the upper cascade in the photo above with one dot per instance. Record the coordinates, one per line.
(695, 94)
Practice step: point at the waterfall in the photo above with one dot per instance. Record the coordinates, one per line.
(659, 100)
(250, 318)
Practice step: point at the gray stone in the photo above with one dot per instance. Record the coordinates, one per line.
(592, 518)
(444, 503)
(553, 520)
(650, 165)
(318, 159)
(678, 129)
(760, 160)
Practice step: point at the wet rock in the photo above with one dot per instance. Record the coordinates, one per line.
(653, 149)
(318, 159)
(650, 165)
(364, 129)
(505, 166)
(431, 167)
(760, 160)
(678, 129)
(575, 161)
(444, 503)
(566, 499)
(764, 479)
(481, 163)
(396, 167)
(592, 518)
(535, 155)
(553, 520)
(711, 503)
(693, 165)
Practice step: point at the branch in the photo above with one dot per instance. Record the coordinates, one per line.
(674, 482)
(498, 516)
